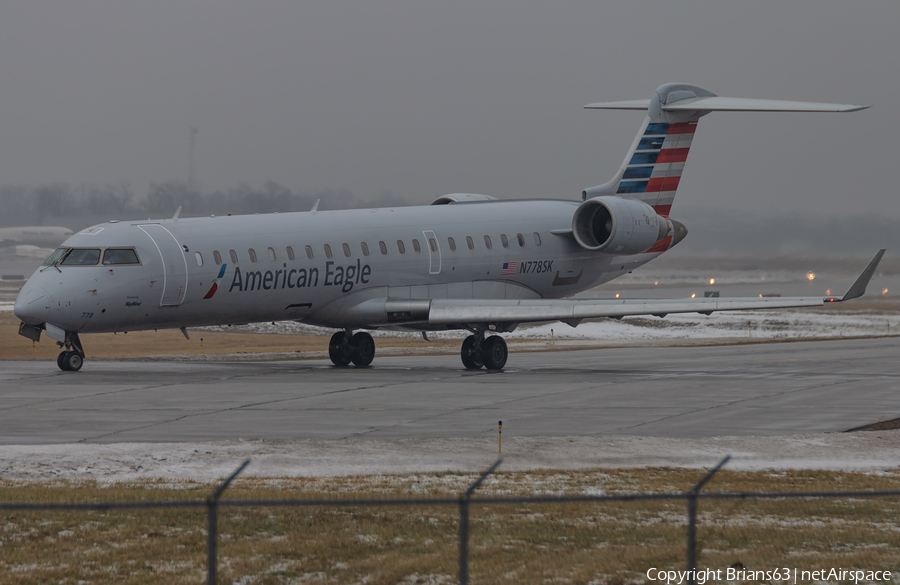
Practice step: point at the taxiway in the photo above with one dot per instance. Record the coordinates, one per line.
(679, 392)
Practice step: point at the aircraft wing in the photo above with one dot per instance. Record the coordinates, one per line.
(573, 311)
(450, 311)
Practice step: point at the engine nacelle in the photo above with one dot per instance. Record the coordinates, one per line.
(618, 225)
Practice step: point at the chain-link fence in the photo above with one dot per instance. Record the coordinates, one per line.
(464, 501)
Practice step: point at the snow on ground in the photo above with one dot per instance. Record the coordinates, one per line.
(785, 324)
(862, 451)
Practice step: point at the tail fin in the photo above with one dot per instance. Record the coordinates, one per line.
(652, 169)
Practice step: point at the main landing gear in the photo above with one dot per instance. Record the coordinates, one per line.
(478, 352)
(72, 358)
(346, 347)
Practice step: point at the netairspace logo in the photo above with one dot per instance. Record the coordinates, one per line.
(701, 576)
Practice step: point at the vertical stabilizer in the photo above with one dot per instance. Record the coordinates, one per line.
(652, 169)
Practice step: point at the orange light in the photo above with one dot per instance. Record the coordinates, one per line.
(810, 276)
(828, 292)
(617, 295)
(655, 283)
(712, 281)
(884, 292)
(693, 295)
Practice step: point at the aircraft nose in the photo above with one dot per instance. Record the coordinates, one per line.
(33, 305)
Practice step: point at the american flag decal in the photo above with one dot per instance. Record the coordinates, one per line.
(508, 268)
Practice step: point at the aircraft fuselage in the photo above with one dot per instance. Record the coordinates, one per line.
(187, 275)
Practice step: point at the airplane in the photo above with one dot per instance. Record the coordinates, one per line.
(465, 262)
(40, 236)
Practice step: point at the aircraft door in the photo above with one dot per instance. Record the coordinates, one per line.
(174, 263)
(434, 252)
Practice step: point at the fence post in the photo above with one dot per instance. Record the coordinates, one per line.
(212, 524)
(464, 524)
(692, 521)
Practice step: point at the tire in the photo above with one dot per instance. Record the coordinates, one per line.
(61, 361)
(362, 349)
(470, 358)
(73, 361)
(339, 349)
(495, 353)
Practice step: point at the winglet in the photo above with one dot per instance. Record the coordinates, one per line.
(859, 287)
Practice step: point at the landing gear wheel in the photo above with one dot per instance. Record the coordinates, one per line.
(495, 352)
(362, 349)
(339, 349)
(471, 358)
(72, 361)
(61, 361)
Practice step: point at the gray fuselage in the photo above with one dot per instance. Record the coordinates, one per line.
(187, 275)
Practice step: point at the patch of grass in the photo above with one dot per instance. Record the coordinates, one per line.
(568, 543)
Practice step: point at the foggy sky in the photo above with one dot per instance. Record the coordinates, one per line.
(419, 99)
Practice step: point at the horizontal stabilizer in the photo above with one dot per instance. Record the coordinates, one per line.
(730, 104)
(626, 105)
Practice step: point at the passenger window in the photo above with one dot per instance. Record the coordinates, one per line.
(290, 253)
(196, 255)
(537, 239)
(55, 256)
(217, 258)
(252, 253)
(327, 251)
(504, 240)
(309, 252)
(233, 256)
(470, 242)
(346, 250)
(271, 254)
(401, 247)
(433, 243)
(416, 246)
(383, 248)
(365, 248)
(128, 256)
(521, 239)
(487, 242)
(452, 244)
(82, 257)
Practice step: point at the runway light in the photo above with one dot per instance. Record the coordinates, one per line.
(760, 295)
(655, 282)
(884, 292)
(617, 295)
(693, 295)
(810, 276)
(712, 281)
(828, 292)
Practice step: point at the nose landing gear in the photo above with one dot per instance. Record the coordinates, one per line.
(478, 352)
(72, 358)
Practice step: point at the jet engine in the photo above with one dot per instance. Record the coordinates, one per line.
(618, 225)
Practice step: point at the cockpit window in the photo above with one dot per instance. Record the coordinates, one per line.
(55, 256)
(82, 257)
(120, 256)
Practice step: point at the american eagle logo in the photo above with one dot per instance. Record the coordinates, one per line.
(215, 284)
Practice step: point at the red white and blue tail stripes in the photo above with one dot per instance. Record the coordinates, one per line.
(653, 173)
